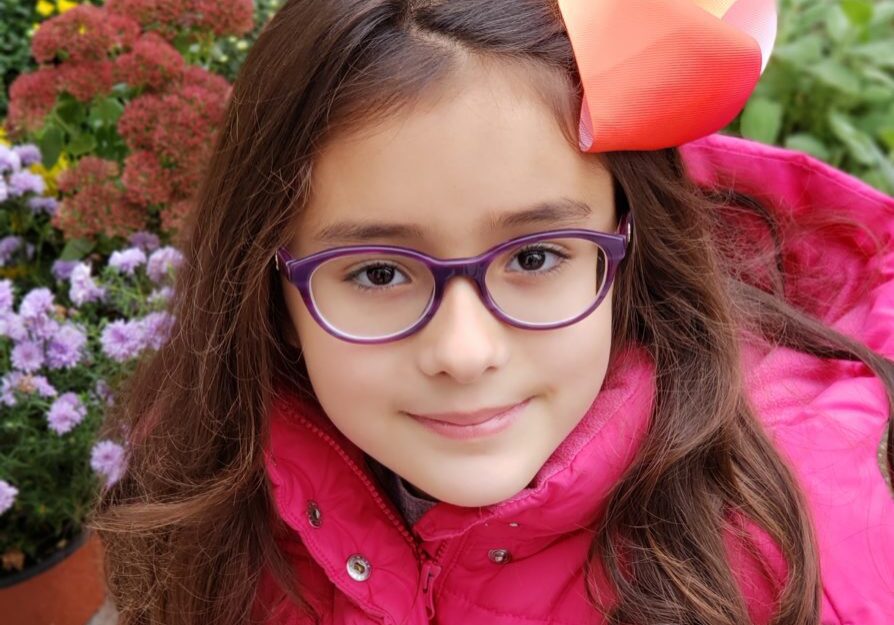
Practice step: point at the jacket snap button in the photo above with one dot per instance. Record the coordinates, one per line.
(359, 568)
(314, 516)
(499, 556)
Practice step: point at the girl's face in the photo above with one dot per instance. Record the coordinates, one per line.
(449, 170)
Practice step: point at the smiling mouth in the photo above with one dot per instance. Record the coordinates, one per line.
(462, 419)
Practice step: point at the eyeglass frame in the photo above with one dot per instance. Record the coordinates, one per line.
(299, 272)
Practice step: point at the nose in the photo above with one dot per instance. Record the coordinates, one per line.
(463, 339)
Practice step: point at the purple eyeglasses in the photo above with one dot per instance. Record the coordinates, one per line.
(381, 293)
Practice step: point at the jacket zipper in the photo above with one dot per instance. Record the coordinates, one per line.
(431, 568)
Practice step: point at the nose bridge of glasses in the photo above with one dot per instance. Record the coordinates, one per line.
(474, 269)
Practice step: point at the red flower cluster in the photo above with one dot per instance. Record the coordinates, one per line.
(171, 136)
(168, 17)
(88, 79)
(153, 62)
(31, 98)
(94, 203)
(170, 128)
(85, 33)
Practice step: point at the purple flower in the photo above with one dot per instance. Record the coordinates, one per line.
(22, 182)
(64, 349)
(42, 386)
(83, 289)
(123, 340)
(6, 295)
(162, 261)
(36, 312)
(4, 191)
(157, 329)
(8, 246)
(144, 240)
(8, 494)
(42, 204)
(27, 356)
(62, 269)
(11, 325)
(160, 295)
(23, 383)
(126, 261)
(65, 413)
(107, 459)
(29, 154)
(37, 303)
(104, 392)
(9, 160)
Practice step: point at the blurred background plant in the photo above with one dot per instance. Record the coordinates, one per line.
(829, 87)
(67, 339)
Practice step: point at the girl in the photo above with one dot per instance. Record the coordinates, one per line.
(464, 336)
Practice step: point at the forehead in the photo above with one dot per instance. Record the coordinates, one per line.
(455, 162)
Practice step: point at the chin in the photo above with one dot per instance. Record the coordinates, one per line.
(483, 493)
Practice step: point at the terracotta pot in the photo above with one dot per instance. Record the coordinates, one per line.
(66, 589)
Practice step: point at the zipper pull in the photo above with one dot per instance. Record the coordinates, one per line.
(430, 572)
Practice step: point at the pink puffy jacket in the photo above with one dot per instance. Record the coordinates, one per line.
(519, 562)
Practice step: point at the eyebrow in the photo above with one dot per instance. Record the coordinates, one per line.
(553, 212)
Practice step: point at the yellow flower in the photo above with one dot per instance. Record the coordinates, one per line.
(50, 175)
(3, 139)
(65, 5)
(45, 8)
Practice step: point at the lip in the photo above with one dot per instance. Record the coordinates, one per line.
(464, 425)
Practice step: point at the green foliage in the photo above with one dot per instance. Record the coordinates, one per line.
(829, 87)
(16, 18)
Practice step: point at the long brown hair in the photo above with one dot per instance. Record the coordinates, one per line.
(191, 525)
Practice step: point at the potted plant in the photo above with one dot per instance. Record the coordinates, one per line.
(69, 331)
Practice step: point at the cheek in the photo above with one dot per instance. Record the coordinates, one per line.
(347, 379)
(574, 359)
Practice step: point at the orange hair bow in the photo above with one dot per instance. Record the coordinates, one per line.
(660, 73)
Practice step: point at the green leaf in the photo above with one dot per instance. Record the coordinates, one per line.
(880, 52)
(76, 249)
(762, 120)
(837, 76)
(83, 143)
(106, 112)
(859, 12)
(70, 110)
(860, 145)
(50, 143)
(806, 49)
(887, 135)
(838, 25)
(806, 142)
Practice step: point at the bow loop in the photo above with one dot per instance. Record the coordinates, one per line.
(660, 73)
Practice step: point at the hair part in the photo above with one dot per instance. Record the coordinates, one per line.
(191, 527)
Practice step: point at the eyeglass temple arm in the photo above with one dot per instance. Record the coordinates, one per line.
(626, 227)
(281, 259)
